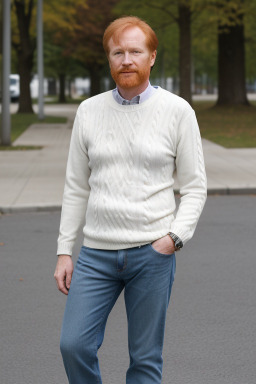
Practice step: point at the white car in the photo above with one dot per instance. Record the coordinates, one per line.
(14, 87)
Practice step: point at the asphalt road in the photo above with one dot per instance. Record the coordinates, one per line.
(211, 327)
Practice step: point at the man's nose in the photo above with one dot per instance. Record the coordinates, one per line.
(127, 59)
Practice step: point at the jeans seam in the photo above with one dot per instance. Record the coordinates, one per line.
(124, 265)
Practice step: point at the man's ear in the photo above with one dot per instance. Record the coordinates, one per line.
(153, 58)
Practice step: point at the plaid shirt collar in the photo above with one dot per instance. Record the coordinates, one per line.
(149, 91)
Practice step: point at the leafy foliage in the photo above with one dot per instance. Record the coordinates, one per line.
(73, 32)
(78, 30)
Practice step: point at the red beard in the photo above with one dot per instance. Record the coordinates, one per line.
(134, 79)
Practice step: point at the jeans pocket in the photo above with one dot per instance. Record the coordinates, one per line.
(159, 253)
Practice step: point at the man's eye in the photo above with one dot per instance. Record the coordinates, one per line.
(117, 53)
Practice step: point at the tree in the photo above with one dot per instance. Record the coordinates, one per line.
(60, 66)
(165, 13)
(231, 55)
(1, 27)
(250, 43)
(59, 22)
(185, 57)
(77, 28)
(24, 45)
(91, 22)
(181, 12)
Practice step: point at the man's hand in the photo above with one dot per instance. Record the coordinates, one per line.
(63, 273)
(164, 245)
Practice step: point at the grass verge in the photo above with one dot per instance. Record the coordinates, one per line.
(69, 100)
(231, 127)
(20, 122)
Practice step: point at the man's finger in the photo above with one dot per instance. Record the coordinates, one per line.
(63, 273)
(68, 280)
(61, 284)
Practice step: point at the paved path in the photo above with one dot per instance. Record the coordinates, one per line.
(211, 327)
(34, 180)
(230, 171)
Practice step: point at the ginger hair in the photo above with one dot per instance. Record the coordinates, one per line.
(115, 29)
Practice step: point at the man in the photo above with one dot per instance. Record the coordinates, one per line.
(124, 149)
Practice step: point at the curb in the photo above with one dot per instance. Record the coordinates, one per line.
(30, 208)
(231, 191)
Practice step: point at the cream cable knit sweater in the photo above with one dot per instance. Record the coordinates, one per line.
(119, 180)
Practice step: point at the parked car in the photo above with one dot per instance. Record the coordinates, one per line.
(14, 87)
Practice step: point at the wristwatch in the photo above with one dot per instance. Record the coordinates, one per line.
(177, 241)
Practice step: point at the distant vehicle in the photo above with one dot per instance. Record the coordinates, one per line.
(14, 87)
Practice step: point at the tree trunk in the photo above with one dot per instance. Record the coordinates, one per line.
(231, 65)
(25, 53)
(184, 22)
(25, 66)
(62, 81)
(95, 76)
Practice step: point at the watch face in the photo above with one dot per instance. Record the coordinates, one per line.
(179, 244)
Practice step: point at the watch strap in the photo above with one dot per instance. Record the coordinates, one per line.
(177, 241)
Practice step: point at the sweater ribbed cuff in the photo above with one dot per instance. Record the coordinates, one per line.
(182, 233)
(65, 248)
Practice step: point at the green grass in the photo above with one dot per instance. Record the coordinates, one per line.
(20, 122)
(69, 100)
(19, 147)
(231, 127)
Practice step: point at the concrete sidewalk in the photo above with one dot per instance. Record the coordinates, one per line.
(33, 180)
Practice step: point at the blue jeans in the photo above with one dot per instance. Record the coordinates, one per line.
(98, 279)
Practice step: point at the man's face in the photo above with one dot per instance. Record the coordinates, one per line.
(130, 59)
